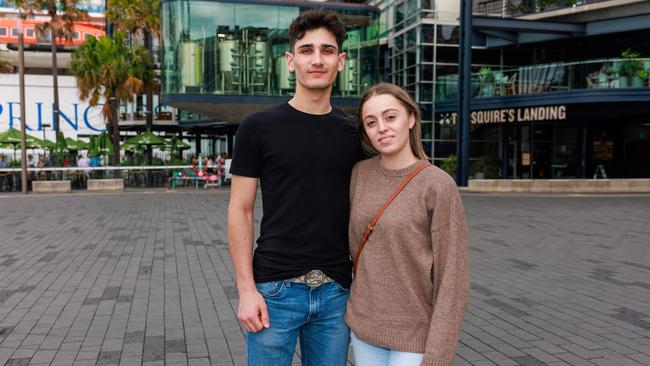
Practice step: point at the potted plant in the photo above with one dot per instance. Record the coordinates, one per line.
(628, 71)
(487, 167)
(486, 81)
(645, 77)
(449, 165)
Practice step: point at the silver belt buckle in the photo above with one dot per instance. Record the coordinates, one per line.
(313, 278)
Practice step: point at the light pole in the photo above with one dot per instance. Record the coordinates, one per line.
(464, 93)
(23, 133)
(44, 126)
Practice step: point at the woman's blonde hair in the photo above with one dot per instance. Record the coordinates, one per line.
(415, 133)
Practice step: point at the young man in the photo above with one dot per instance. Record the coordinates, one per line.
(296, 284)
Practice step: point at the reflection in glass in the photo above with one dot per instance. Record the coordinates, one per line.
(239, 49)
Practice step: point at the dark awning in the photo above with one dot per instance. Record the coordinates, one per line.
(499, 32)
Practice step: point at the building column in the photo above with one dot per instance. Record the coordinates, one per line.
(505, 143)
(580, 150)
(229, 141)
(197, 142)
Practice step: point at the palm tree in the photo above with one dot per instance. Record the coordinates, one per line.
(139, 18)
(62, 15)
(6, 66)
(108, 69)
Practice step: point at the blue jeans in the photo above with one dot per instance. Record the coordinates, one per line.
(296, 310)
(366, 354)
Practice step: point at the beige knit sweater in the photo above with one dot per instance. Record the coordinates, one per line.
(412, 284)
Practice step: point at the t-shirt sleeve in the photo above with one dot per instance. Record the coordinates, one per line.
(247, 152)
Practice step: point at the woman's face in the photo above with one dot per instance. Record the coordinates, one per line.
(387, 124)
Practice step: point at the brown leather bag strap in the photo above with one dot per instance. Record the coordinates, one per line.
(371, 226)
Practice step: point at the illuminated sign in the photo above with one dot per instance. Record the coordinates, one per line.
(511, 115)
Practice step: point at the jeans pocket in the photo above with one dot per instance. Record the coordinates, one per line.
(341, 288)
(270, 289)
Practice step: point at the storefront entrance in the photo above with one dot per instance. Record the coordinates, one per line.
(606, 140)
(543, 151)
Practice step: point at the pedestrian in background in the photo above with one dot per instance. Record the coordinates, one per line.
(411, 286)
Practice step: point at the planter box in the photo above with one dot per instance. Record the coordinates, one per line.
(51, 186)
(111, 185)
(560, 185)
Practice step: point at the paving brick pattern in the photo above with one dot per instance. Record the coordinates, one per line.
(144, 278)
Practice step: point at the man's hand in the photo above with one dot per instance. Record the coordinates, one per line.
(252, 311)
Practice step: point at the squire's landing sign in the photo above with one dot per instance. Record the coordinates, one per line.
(76, 117)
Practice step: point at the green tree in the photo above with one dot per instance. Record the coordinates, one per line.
(109, 71)
(139, 17)
(141, 20)
(62, 14)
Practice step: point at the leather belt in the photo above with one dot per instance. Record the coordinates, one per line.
(313, 278)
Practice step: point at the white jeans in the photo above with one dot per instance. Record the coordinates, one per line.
(365, 354)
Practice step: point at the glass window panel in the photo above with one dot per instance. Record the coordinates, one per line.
(486, 56)
(410, 79)
(426, 131)
(206, 18)
(399, 15)
(520, 56)
(426, 109)
(447, 54)
(427, 33)
(253, 15)
(399, 63)
(238, 48)
(426, 54)
(447, 34)
(411, 11)
(426, 94)
(411, 38)
(398, 44)
(411, 59)
(446, 82)
(426, 73)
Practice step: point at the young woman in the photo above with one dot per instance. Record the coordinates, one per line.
(411, 287)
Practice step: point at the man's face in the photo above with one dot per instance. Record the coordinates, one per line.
(316, 59)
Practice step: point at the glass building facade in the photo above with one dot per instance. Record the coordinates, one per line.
(224, 59)
(238, 48)
(544, 106)
(423, 53)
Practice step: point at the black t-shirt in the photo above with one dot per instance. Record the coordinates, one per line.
(304, 163)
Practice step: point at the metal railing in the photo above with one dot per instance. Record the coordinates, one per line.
(169, 176)
(603, 74)
(515, 8)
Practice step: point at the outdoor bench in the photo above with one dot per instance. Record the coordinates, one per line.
(114, 185)
(51, 186)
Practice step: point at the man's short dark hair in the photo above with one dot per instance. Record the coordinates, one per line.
(314, 19)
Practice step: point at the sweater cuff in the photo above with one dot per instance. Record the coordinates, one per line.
(431, 360)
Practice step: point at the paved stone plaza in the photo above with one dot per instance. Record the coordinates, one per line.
(144, 278)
